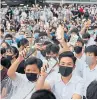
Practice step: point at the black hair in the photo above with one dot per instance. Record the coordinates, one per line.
(22, 42)
(15, 51)
(86, 35)
(91, 49)
(96, 39)
(68, 54)
(47, 43)
(6, 44)
(3, 50)
(43, 94)
(34, 60)
(8, 36)
(92, 90)
(52, 48)
(36, 31)
(5, 62)
(42, 34)
(75, 30)
(80, 40)
(2, 30)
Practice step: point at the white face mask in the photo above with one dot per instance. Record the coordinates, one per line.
(89, 60)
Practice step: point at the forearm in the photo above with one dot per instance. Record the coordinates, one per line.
(83, 31)
(64, 47)
(13, 68)
(40, 83)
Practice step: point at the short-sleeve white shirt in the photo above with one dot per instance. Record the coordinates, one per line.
(22, 87)
(89, 76)
(66, 91)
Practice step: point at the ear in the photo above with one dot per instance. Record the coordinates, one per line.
(96, 58)
(24, 70)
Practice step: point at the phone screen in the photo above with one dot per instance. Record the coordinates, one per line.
(51, 63)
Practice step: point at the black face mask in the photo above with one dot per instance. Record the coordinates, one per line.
(65, 70)
(43, 52)
(78, 49)
(31, 76)
(9, 57)
(85, 41)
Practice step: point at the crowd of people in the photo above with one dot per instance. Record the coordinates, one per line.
(48, 52)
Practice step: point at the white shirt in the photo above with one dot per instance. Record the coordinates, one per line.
(91, 42)
(79, 66)
(66, 91)
(22, 87)
(89, 76)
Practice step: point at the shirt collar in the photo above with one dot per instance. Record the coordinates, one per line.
(70, 81)
(92, 69)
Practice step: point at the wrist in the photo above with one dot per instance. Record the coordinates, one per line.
(20, 59)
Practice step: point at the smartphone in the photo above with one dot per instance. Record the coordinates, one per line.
(30, 52)
(51, 63)
(73, 40)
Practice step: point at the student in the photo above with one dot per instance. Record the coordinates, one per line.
(88, 40)
(24, 83)
(81, 57)
(23, 43)
(43, 94)
(92, 90)
(5, 64)
(5, 45)
(9, 39)
(63, 84)
(52, 50)
(90, 71)
(12, 53)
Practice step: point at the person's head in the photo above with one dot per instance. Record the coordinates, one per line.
(86, 38)
(12, 53)
(23, 43)
(74, 31)
(1, 32)
(91, 55)
(5, 45)
(67, 62)
(43, 48)
(3, 52)
(8, 38)
(43, 94)
(5, 62)
(92, 90)
(53, 29)
(79, 46)
(52, 50)
(32, 68)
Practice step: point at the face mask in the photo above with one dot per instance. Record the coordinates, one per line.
(89, 60)
(78, 49)
(36, 35)
(31, 76)
(48, 57)
(65, 70)
(9, 41)
(43, 52)
(52, 34)
(9, 57)
(85, 41)
(65, 36)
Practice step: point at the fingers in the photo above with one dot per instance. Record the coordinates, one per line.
(23, 53)
(44, 68)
